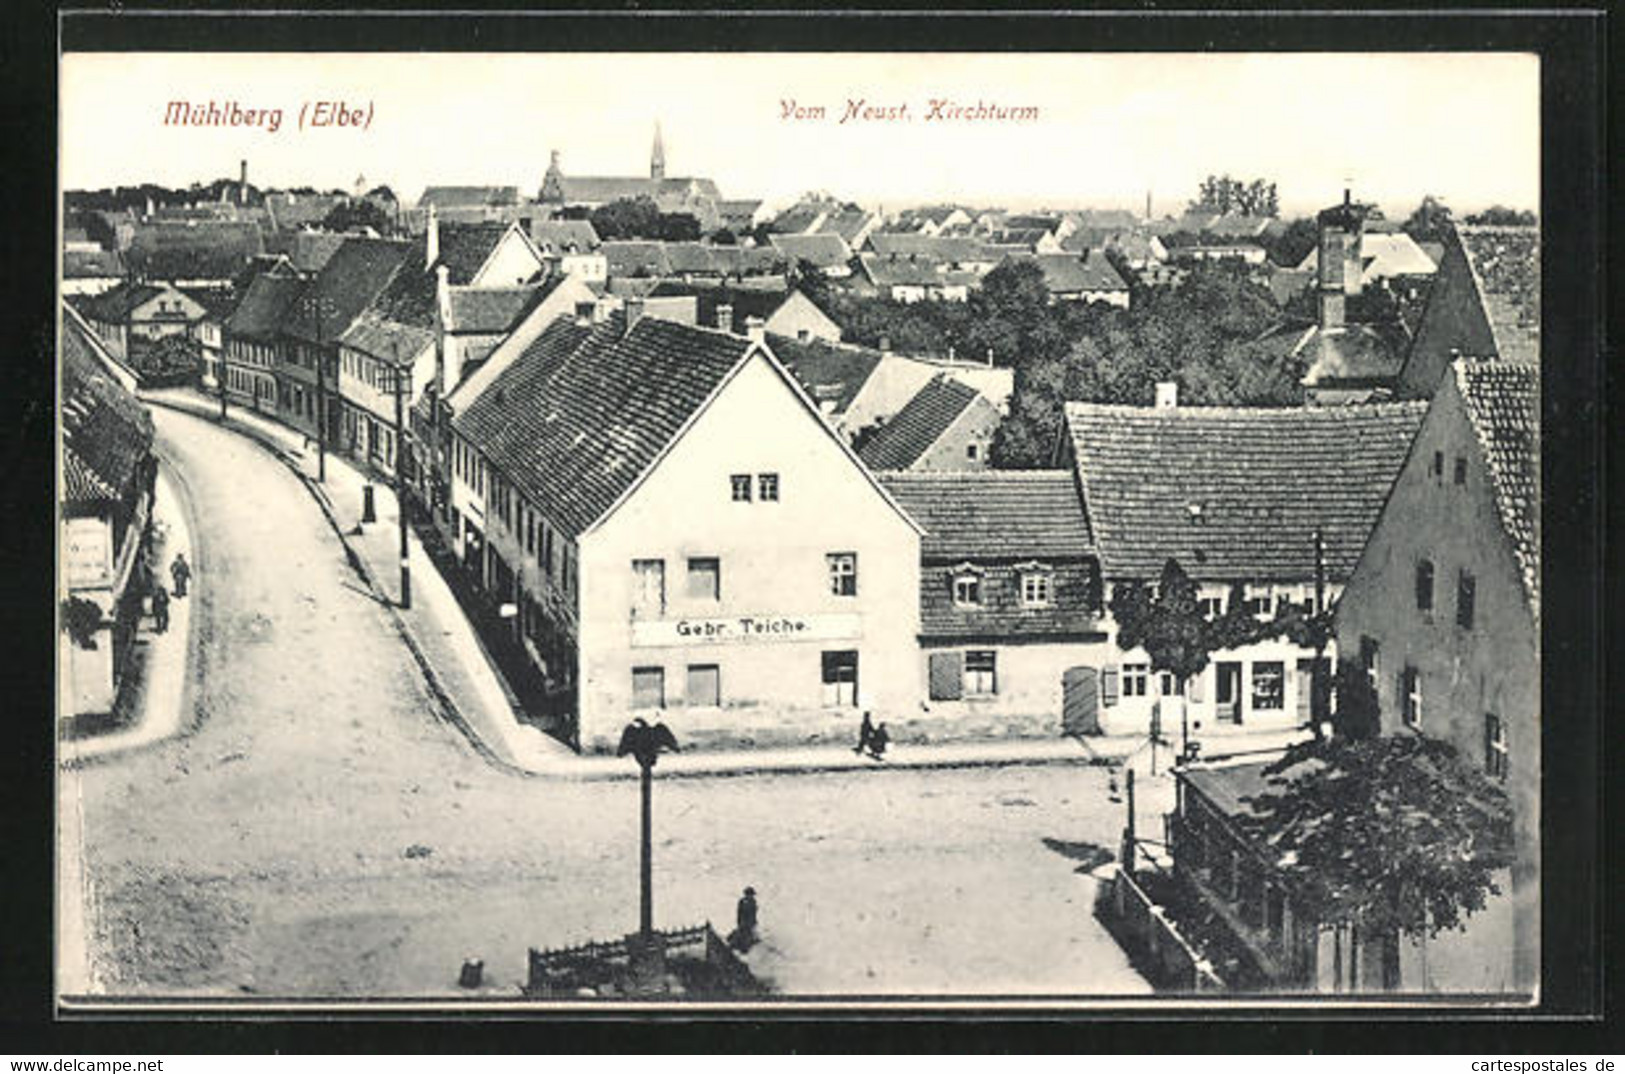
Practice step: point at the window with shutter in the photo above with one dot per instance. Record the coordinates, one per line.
(947, 676)
(1108, 686)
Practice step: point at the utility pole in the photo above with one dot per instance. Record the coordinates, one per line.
(1129, 840)
(401, 455)
(321, 392)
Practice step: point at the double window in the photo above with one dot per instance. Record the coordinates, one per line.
(968, 589)
(1136, 680)
(741, 487)
(843, 573)
(981, 673)
(840, 676)
(766, 487)
(1037, 589)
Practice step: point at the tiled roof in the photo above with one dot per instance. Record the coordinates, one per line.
(107, 430)
(1026, 238)
(409, 297)
(83, 264)
(690, 257)
(1502, 400)
(494, 309)
(928, 248)
(80, 484)
(746, 302)
(848, 225)
(900, 442)
(634, 258)
(1066, 274)
(114, 305)
(1001, 614)
(1235, 788)
(217, 302)
(1434, 250)
(1236, 494)
(1353, 354)
(448, 196)
(564, 236)
(1285, 284)
(386, 340)
(352, 278)
(291, 211)
(1505, 262)
(995, 514)
(748, 260)
(598, 189)
(1031, 222)
(266, 307)
(1384, 254)
(193, 250)
(584, 411)
(799, 218)
(310, 250)
(903, 272)
(831, 373)
(823, 251)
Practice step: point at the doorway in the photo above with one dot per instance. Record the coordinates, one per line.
(1080, 701)
(1227, 691)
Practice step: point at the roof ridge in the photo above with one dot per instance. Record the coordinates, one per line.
(1394, 406)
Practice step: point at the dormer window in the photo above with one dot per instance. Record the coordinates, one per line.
(967, 586)
(1037, 585)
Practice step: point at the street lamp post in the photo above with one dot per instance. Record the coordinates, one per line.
(645, 742)
(401, 455)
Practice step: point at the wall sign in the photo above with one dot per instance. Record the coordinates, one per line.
(753, 629)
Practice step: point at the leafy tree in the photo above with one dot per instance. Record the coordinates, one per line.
(1356, 716)
(627, 218)
(1396, 836)
(1223, 194)
(382, 193)
(1429, 221)
(1290, 245)
(82, 618)
(358, 213)
(1501, 216)
(725, 237)
(1169, 626)
(677, 227)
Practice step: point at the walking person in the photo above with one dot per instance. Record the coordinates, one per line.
(181, 572)
(160, 608)
(866, 734)
(878, 742)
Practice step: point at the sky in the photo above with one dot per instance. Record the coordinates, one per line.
(1100, 130)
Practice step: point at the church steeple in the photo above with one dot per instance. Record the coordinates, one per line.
(657, 158)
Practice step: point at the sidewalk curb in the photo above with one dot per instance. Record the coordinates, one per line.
(448, 708)
(766, 767)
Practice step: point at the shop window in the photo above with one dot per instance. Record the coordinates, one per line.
(767, 488)
(1410, 693)
(1495, 747)
(1269, 685)
(649, 586)
(1136, 680)
(704, 685)
(1037, 589)
(648, 688)
(843, 573)
(1424, 586)
(840, 676)
(981, 673)
(741, 487)
(705, 579)
(1466, 599)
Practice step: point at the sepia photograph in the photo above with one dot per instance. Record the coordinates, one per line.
(635, 530)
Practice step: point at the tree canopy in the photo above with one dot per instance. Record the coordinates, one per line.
(1429, 221)
(641, 218)
(358, 213)
(1223, 194)
(1501, 216)
(1396, 834)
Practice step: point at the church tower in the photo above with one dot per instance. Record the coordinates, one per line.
(657, 158)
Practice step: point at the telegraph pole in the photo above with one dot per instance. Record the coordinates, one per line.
(401, 456)
(1317, 685)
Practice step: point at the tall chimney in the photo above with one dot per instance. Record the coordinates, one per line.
(756, 329)
(634, 311)
(431, 239)
(242, 182)
(1148, 204)
(1167, 395)
(725, 317)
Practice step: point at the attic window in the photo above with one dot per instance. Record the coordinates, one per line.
(1194, 512)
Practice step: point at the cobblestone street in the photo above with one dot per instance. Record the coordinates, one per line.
(266, 854)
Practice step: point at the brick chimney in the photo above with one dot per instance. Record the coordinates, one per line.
(1167, 395)
(431, 240)
(725, 317)
(242, 182)
(756, 329)
(634, 312)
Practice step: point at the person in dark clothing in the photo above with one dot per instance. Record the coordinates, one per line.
(160, 609)
(181, 572)
(866, 734)
(744, 935)
(878, 742)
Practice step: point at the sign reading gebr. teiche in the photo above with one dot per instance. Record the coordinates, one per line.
(745, 628)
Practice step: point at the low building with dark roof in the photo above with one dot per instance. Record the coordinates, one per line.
(678, 527)
(948, 425)
(105, 485)
(914, 279)
(1089, 277)
(782, 312)
(1237, 498)
(829, 254)
(192, 253)
(91, 271)
(131, 316)
(1484, 303)
(251, 339)
(1442, 608)
(1010, 601)
(571, 248)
